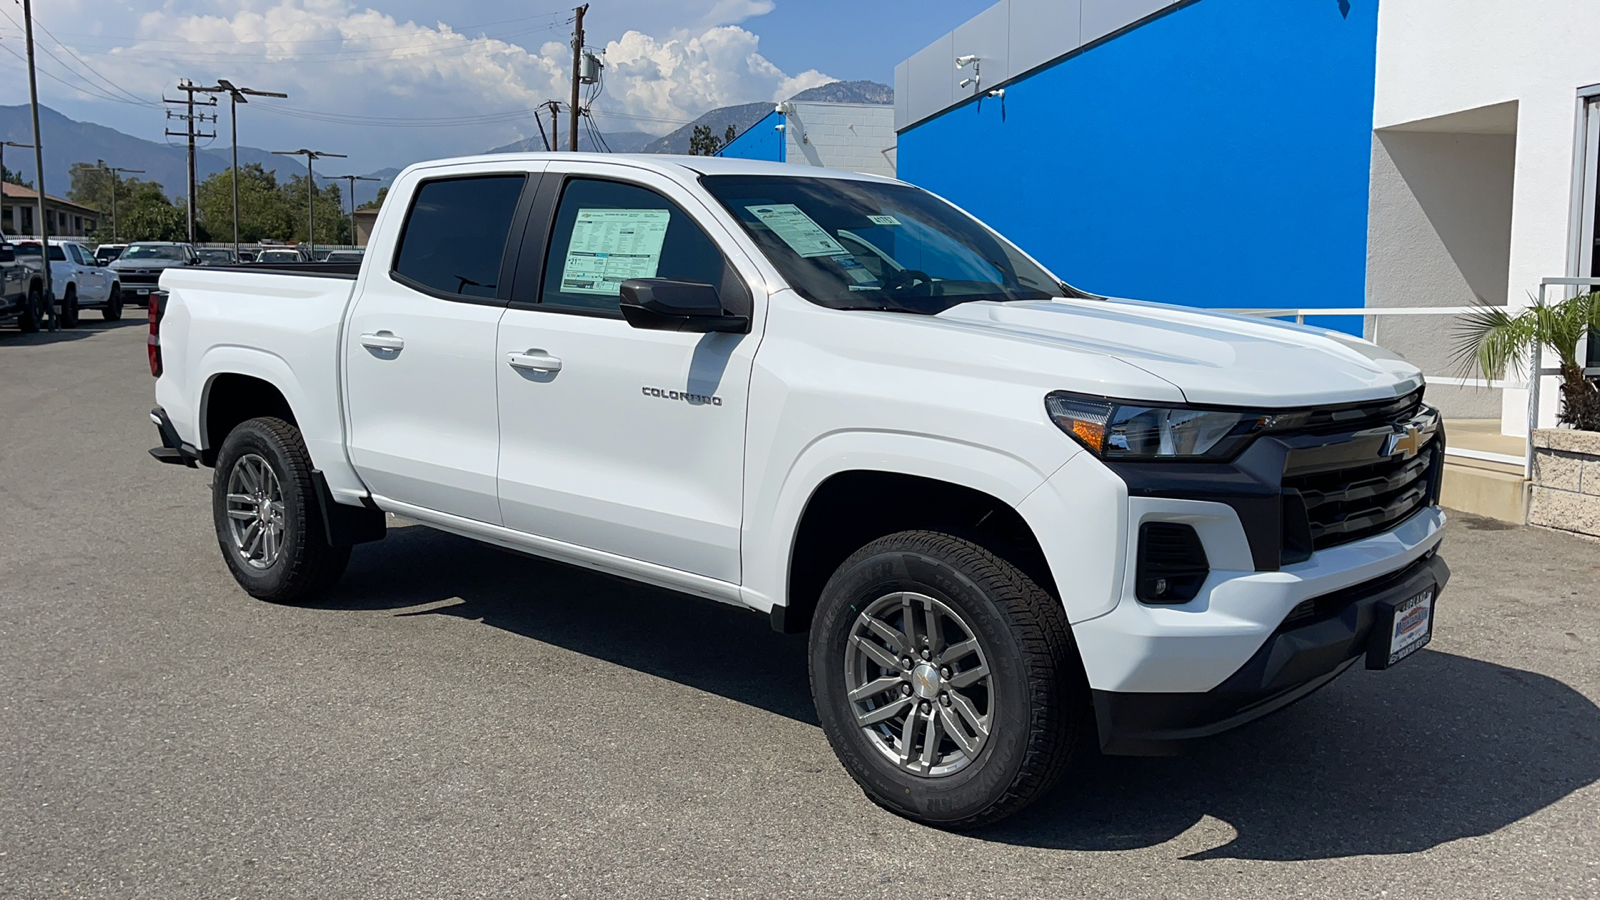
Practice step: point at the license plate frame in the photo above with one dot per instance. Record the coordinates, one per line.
(1402, 628)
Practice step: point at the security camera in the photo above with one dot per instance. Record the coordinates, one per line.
(966, 82)
(963, 61)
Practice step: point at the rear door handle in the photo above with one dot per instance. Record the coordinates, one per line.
(383, 340)
(534, 361)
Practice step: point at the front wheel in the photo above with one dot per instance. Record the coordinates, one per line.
(32, 318)
(112, 311)
(268, 523)
(69, 308)
(946, 680)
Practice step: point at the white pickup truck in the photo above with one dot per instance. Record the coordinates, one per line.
(1018, 521)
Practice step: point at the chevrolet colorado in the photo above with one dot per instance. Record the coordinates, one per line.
(1019, 522)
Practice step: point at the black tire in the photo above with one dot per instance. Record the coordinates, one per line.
(1038, 710)
(112, 311)
(69, 308)
(305, 564)
(32, 318)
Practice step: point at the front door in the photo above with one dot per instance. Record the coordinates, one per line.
(614, 438)
(419, 352)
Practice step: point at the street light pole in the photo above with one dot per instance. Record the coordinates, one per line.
(236, 96)
(114, 185)
(352, 179)
(3, 146)
(38, 168)
(311, 190)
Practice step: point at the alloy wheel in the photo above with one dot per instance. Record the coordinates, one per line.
(255, 511)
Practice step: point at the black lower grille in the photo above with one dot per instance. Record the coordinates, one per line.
(1350, 504)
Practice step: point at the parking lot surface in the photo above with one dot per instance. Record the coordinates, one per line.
(456, 721)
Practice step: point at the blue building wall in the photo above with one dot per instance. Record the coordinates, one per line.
(760, 141)
(1216, 156)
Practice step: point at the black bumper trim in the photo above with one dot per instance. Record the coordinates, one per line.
(1293, 662)
(173, 450)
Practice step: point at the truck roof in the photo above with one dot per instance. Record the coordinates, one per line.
(672, 165)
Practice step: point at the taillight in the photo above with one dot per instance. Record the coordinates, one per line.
(156, 308)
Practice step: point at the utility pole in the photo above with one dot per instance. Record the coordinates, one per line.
(189, 119)
(352, 179)
(38, 169)
(236, 96)
(577, 63)
(311, 190)
(555, 126)
(115, 183)
(5, 144)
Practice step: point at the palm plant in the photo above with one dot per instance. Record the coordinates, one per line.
(1493, 339)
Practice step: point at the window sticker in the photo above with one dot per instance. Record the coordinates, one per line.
(884, 220)
(798, 230)
(858, 273)
(609, 246)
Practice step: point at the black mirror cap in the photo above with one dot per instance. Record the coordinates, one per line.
(662, 304)
(8, 253)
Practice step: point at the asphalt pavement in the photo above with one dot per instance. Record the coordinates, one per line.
(456, 721)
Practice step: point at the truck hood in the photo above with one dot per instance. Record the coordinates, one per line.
(1212, 358)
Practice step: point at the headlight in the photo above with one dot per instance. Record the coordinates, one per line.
(1116, 430)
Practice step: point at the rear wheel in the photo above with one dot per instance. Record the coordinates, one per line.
(69, 308)
(32, 318)
(268, 523)
(112, 311)
(945, 679)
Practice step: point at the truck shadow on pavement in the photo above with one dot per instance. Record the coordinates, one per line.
(87, 327)
(1441, 748)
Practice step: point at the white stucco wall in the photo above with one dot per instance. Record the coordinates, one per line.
(1442, 57)
(848, 136)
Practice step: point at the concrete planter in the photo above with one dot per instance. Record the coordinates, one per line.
(1566, 480)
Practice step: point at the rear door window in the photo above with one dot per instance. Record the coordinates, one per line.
(454, 240)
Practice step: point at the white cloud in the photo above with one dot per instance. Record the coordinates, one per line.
(346, 61)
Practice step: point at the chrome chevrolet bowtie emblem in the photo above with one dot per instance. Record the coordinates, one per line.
(1405, 443)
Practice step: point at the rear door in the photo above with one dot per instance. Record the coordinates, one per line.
(613, 438)
(419, 344)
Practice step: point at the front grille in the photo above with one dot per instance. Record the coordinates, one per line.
(1350, 504)
(1329, 420)
(128, 277)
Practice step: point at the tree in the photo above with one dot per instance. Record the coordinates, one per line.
(263, 208)
(12, 177)
(333, 223)
(703, 143)
(147, 215)
(93, 185)
(1491, 340)
(376, 202)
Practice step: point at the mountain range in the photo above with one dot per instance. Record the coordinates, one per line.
(68, 141)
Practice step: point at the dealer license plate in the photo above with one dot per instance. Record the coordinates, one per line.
(1410, 628)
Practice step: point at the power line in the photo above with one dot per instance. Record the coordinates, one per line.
(455, 28)
(63, 45)
(189, 119)
(91, 90)
(446, 43)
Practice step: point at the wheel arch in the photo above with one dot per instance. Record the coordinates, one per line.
(852, 507)
(235, 394)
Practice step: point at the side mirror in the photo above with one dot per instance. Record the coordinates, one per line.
(8, 253)
(661, 304)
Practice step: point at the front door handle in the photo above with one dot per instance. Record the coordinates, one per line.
(534, 361)
(383, 340)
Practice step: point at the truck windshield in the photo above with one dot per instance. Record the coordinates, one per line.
(850, 244)
(151, 251)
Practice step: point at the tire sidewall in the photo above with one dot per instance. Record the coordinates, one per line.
(965, 794)
(112, 311)
(32, 318)
(246, 439)
(69, 308)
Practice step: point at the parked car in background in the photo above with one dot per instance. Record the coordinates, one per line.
(77, 280)
(345, 256)
(247, 256)
(1013, 516)
(140, 266)
(21, 289)
(108, 253)
(216, 256)
(280, 255)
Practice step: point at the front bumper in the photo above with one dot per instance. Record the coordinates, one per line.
(1326, 635)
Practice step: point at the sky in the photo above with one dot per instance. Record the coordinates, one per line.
(390, 82)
